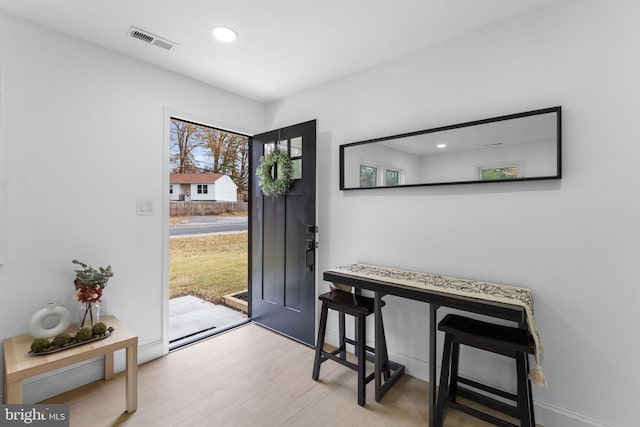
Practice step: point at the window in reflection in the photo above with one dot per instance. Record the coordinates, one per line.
(493, 174)
(368, 176)
(391, 177)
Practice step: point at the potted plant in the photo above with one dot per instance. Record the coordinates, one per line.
(89, 284)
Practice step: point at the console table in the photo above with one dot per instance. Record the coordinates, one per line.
(18, 364)
(500, 301)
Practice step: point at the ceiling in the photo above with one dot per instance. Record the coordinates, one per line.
(284, 46)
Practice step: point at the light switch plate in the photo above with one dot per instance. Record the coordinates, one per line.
(145, 207)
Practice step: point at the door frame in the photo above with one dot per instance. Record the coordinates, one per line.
(168, 113)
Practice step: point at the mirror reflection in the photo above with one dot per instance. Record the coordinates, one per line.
(518, 147)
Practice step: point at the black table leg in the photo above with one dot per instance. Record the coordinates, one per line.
(393, 370)
(433, 325)
(378, 344)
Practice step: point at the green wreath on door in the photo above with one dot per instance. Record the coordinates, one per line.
(275, 186)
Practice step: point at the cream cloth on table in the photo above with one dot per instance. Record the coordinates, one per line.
(469, 288)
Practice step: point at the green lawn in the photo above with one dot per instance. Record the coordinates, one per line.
(208, 267)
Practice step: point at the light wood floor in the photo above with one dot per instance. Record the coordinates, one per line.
(249, 376)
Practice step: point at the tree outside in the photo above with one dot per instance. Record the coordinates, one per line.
(202, 149)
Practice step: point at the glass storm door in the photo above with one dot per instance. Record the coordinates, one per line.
(282, 237)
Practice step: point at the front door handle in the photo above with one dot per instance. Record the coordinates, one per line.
(309, 254)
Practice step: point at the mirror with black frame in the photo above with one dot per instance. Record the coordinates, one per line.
(516, 147)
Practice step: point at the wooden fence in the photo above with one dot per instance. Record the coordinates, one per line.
(199, 208)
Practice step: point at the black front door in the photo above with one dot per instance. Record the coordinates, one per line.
(282, 236)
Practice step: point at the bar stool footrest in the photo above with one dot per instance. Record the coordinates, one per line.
(478, 414)
(329, 355)
(488, 401)
(505, 394)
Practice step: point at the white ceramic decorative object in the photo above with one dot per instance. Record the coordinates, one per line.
(50, 310)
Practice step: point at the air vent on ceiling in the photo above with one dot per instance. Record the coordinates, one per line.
(150, 38)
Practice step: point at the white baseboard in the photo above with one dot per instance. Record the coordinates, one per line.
(47, 385)
(548, 415)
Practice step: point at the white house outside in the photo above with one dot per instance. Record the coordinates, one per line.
(202, 187)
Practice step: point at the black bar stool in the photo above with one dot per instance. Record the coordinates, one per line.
(508, 341)
(359, 307)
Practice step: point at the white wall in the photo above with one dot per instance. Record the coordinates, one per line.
(78, 118)
(575, 242)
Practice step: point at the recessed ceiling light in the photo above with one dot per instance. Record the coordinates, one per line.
(441, 145)
(224, 34)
